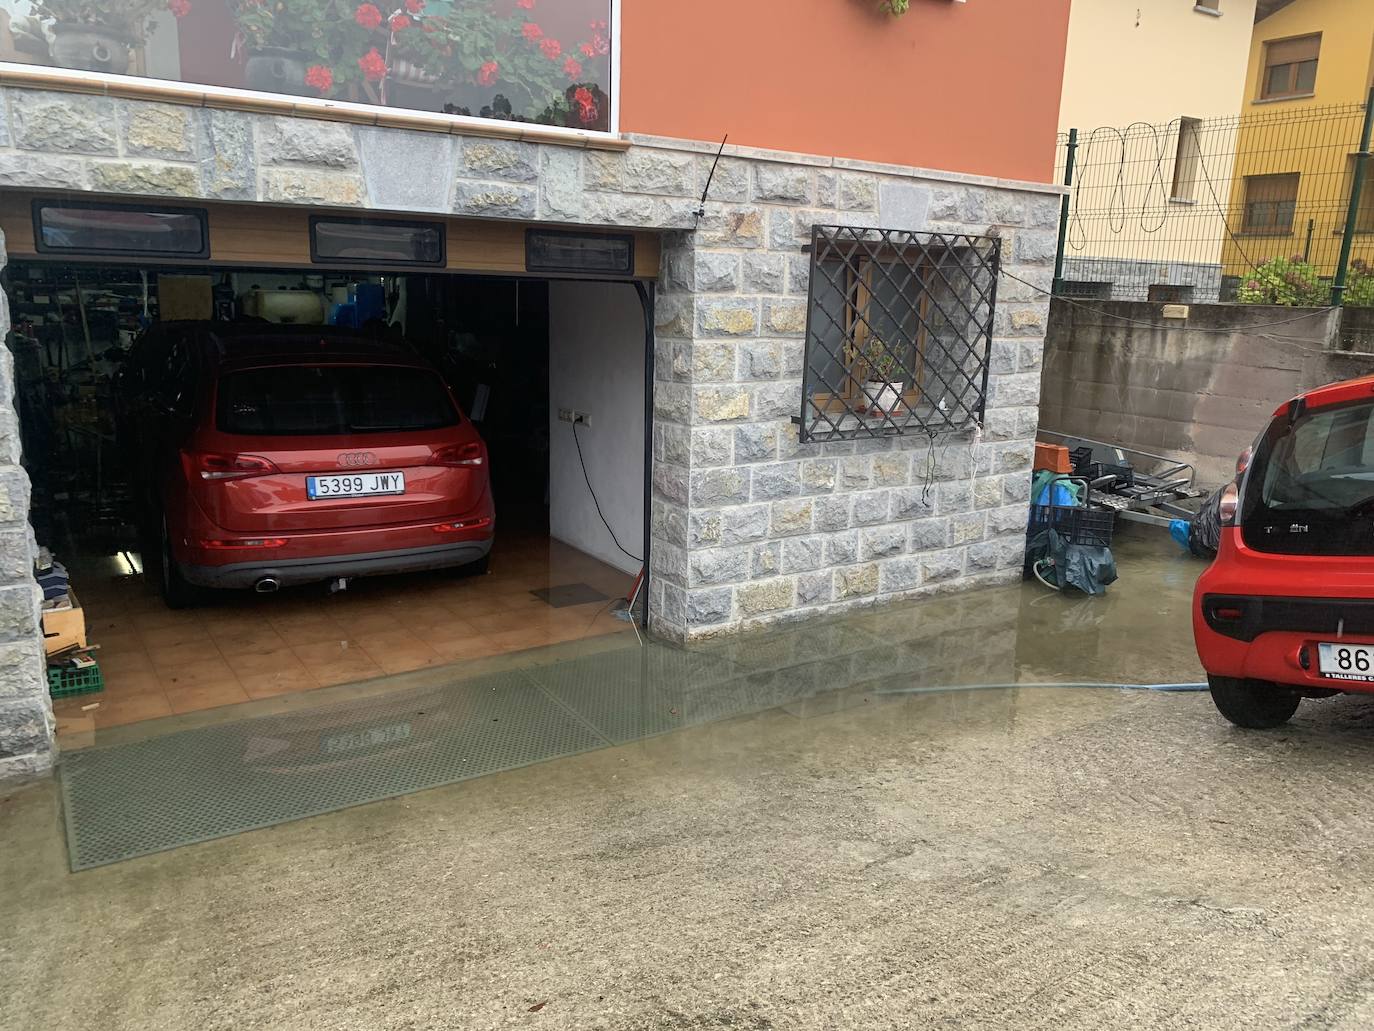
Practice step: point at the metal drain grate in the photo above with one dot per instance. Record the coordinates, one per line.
(129, 800)
(135, 799)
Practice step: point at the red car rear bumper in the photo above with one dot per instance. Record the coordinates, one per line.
(236, 561)
(1278, 609)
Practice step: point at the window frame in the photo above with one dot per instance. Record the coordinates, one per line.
(1294, 64)
(41, 246)
(389, 223)
(553, 267)
(1186, 164)
(1249, 229)
(951, 357)
(857, 331)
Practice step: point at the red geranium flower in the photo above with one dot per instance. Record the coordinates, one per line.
(531, 31)
(552, 48)
(487, 74)
(415, 6)
(180, 8)
(572, 68)
(526, 4)
(587, 50)
(373, 66)
(368, 16)
(399, 22)
(320, 77)
(586, 104)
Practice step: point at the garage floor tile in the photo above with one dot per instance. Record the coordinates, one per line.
(246, 646)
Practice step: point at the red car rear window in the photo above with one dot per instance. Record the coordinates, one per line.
(326, 400)
(1310, 489)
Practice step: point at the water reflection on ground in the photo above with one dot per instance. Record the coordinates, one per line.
(147, 790)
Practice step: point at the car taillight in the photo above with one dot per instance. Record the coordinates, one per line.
(1230, 501)
(471, 453)
(214, 466)
(462, 524)
(235, 543)
(1243, 462)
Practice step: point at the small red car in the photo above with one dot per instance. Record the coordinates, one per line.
(267, 456)
(1286, 611)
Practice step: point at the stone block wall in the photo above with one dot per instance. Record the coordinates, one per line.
(749, 526)
(26, 723)
(753, 527)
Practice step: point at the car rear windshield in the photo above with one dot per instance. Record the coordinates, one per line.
(1311, 484)
(324, 400)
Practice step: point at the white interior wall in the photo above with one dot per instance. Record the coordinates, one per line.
(596, 365)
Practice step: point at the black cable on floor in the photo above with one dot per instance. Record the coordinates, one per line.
(581, 461)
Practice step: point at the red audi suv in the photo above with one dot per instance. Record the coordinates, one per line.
(266, 456)
(1286, 611)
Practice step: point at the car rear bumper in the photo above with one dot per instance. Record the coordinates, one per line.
(1275, 656)
(289, 572)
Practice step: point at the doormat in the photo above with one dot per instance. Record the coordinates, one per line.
(133, 799)
(570, 594)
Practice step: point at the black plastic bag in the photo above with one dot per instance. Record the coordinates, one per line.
(1204, 529)
(1063, 564)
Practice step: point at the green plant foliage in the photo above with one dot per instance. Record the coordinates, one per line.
(1359, 285)
(894, 7)
(1289, 281)
(359, 49)
(131, 17)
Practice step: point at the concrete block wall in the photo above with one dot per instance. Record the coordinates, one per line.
(1198, 389)
(749, 526)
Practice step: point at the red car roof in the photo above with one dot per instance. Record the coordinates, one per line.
(1333, 394)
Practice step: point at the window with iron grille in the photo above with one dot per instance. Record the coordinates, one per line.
(898, 332)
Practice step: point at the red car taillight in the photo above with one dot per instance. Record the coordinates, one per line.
(213, 466)
(464, 524)
(471, 453)
(1230, 501)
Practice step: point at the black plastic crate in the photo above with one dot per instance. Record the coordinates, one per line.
(1080, 458)
(1125, 474)
(1091, 527)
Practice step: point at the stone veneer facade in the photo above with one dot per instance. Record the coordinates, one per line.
(749, 526)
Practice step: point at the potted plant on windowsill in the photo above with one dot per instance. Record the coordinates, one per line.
(880, 360)
(88, 35)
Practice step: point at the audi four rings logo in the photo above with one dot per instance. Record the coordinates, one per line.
(357, 459)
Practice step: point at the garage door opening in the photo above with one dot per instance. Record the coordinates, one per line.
(188, 430)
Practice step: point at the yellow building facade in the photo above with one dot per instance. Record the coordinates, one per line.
(1309, 74)
(1140, 78)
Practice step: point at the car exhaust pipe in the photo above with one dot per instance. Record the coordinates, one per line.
(267, 585)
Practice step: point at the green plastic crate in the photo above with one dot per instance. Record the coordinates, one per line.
(63, 683)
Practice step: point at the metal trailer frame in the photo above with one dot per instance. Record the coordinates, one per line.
(1150, 494)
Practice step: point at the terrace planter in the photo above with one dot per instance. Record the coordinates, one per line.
(278, 70)
(91, 48)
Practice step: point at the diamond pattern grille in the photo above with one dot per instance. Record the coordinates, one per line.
(898, 332)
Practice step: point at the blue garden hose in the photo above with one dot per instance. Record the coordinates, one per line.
(1009, 687)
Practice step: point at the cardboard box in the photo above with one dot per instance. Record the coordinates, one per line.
(63, 628)
(1053, 457)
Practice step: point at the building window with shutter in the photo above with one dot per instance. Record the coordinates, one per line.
(1270, 201)
(1290, 68)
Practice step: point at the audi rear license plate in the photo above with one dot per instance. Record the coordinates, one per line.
(1346, 661)
(354, 485)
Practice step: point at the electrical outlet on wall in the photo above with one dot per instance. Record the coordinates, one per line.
(571, 415)
(565, 415)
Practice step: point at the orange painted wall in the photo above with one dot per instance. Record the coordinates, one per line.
(965, 87)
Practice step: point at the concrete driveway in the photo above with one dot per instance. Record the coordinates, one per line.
(1021, 858)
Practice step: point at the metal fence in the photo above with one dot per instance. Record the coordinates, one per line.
(1194, 210)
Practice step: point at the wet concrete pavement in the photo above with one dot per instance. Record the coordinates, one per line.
(1040, 857)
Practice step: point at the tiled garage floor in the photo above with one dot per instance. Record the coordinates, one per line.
(245, 646)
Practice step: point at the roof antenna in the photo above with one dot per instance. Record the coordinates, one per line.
(701, 211)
